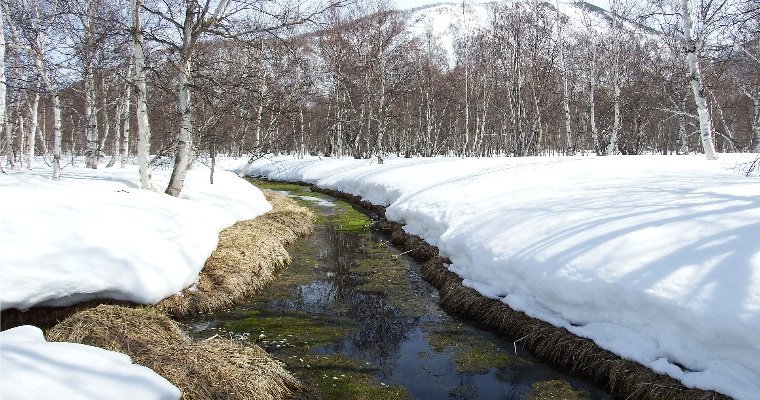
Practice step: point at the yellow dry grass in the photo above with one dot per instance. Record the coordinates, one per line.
(212, 369)
(246, 258)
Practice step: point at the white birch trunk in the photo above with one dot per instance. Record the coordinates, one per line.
(106, 126)
(91, 124)
(57, 136)
(125, 116)
(260, 115)
(302, 147)
(466, 144)
(192, 30)
(612, 147)
(565, 85)
(381, 106)
(185, 137)
(143, 125)
(697, 88)
(756, 123)
(2, 71)
(683, 139)
(34, 110)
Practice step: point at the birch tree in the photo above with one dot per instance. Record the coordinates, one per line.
(2, 71)
(693, 46)
(564, 72)
(612, 147)
(140, 86)
(31, 31)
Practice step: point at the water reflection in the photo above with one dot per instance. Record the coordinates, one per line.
(387, 318)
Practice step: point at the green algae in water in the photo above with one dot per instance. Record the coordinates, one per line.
(293, 188)
(338, 377)
(293, 330)
(471, 355)
(381, 271)
(347, 219)
(556, 390)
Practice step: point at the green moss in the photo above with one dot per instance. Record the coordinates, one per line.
(300, 190)
(290, 330)
(556, 390)
(336, 377)
(347, 219)
(471, 355)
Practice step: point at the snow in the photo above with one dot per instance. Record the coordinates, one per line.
(654, 258)
(94, 234)
(31, 368)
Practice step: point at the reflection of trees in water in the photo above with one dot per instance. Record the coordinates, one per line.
(381, 328)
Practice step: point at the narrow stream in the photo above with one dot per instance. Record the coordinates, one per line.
(352, 318)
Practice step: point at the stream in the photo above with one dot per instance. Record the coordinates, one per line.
(353, 319)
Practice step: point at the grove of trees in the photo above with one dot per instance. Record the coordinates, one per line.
(198, 78)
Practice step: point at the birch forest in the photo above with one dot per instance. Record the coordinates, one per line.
(165, 83)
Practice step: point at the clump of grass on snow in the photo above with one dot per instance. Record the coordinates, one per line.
(211, 369)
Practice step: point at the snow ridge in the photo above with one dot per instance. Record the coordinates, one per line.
(654, 258)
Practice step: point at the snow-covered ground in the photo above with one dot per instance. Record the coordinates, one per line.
(94, 234)
(655, 258)
(31, 368)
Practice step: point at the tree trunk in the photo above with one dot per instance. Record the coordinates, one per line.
(91, 124)
(612, 147)
(185, 137)
(697, 88)
(569, 149)
(34, 110)
(2, 72)
(756, 123)
(683, 139)
(126, 116)
(143, 125)
(57, 136)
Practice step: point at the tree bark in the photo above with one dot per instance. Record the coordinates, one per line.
(143, 125)
(2, 71)
(612, 147)
(125, 115)
(57, 136)
(697, 88)
(34, 110)
(185, 137)
(91, 124)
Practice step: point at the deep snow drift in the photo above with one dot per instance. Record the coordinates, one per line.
(31, 368)
(94, 234)
(654, 258)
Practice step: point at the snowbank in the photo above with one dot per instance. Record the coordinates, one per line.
(94, 234)
(31, 368)
(654, 258)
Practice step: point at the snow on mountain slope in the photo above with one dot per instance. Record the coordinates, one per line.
(448, 22)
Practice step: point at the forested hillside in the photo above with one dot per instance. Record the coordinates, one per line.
(362, 79)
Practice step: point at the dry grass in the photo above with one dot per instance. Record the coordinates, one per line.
(557, 346)
(213, 369)
(245, 260)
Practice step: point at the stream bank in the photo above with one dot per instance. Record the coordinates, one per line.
(353, 318)
(246, 259)
(557, 346)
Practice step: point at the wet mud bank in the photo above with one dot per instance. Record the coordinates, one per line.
(557, 346)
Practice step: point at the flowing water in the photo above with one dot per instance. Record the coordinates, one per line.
(353, 319)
